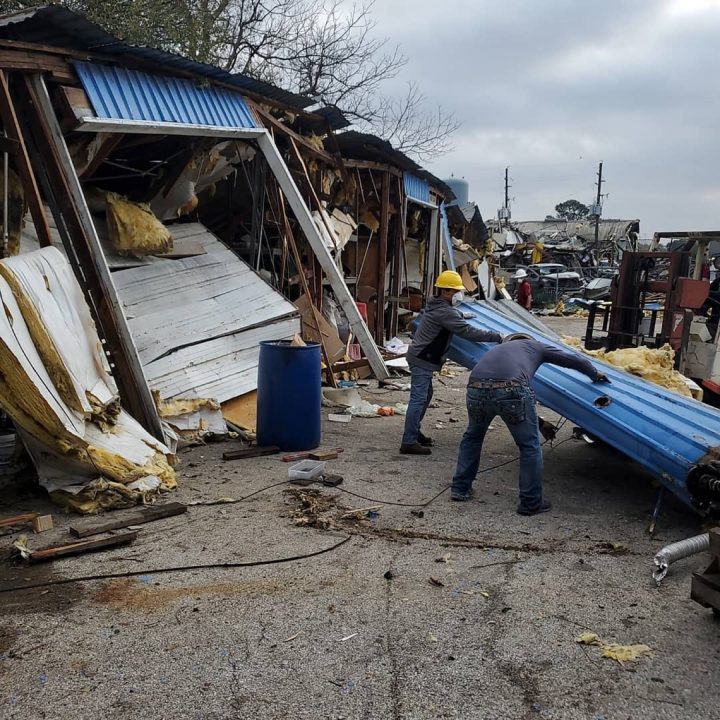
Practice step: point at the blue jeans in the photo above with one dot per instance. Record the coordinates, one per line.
(516, 406)
(421, 392)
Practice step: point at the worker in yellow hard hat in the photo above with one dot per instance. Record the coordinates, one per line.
(439, 320)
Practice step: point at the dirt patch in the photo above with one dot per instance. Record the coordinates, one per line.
(132, 595)
(8, 637)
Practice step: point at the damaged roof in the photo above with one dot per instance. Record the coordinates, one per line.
(363, 146)
(57, 26)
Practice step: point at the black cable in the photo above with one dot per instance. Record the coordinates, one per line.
(179, 568)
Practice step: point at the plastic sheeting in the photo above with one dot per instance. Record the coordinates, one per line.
(55, 385)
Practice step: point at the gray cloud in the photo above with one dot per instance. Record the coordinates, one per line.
(550, 88)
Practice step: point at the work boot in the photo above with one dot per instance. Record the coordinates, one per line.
(425, 441)
(414, 449)
(462, 496)
(544, 506)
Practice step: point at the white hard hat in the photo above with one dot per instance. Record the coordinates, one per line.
(520, 274)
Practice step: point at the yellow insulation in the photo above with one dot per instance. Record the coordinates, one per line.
(43, 342)
(184, 406)
(134, 229)
(651, 364)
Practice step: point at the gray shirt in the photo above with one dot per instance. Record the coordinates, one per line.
(439, 321)
(518, 360)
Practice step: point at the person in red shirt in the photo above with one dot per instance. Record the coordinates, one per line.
(524, 290)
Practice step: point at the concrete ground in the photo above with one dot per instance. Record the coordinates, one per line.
(439, 610)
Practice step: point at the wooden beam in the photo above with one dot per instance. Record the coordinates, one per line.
(397, 260)
(107, 146)
(85, 246)
(82, 546)
(382, 256)
(370, 165)
(22, 159)
(252, 452)
(33, 62)
(18, 519)
(139, 517)
(270, 122)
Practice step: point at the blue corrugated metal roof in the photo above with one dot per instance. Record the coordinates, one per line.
(416, 188)
(121, 94)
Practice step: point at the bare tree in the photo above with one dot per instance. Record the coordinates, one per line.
(410, 127)
(321, 48)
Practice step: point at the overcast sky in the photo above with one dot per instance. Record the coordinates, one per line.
(551, 87)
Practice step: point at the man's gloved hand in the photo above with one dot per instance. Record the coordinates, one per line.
(547, 429)
(601, 378)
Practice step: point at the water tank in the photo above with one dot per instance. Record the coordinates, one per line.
(460, 187)
(289, 395)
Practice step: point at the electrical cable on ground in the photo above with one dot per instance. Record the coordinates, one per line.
(179, 568)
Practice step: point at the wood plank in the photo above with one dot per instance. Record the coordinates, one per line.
(251, 452)
(82, 546)
(370, 165)
(270, 122)
(24, 167)
(242, 410)
(18, 519)
(156, 512)
(382, 257)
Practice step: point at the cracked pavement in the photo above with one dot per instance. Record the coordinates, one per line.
(478, 618)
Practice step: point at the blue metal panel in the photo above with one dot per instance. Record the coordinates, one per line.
(666, 433)
(415, 188)
(118, 93)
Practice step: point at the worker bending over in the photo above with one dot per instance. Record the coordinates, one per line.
(438, 322)
(500, 385)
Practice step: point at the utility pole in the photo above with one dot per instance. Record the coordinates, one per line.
(504, 212)
(597, 203)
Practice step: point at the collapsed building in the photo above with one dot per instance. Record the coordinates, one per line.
(190, 214)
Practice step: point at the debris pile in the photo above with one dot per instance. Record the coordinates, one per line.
(57, 389)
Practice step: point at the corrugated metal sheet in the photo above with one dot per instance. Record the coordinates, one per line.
(197, 322)
(666, 433)
(118, 93)
(416, 188)
(56, 25)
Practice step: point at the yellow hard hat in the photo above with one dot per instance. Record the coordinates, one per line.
(449, 280)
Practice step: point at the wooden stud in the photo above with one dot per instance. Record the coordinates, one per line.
(250, 452)
(18, 519)
(139, 517)
(83, 546)
(24, 167)
(382, 256)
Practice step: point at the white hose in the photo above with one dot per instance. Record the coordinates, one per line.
(677, 551)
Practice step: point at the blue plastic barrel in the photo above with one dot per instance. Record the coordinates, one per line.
(289, 395)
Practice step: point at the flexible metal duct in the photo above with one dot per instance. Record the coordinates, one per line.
(677, 551)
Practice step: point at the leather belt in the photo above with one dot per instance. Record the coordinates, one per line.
(480, 384)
